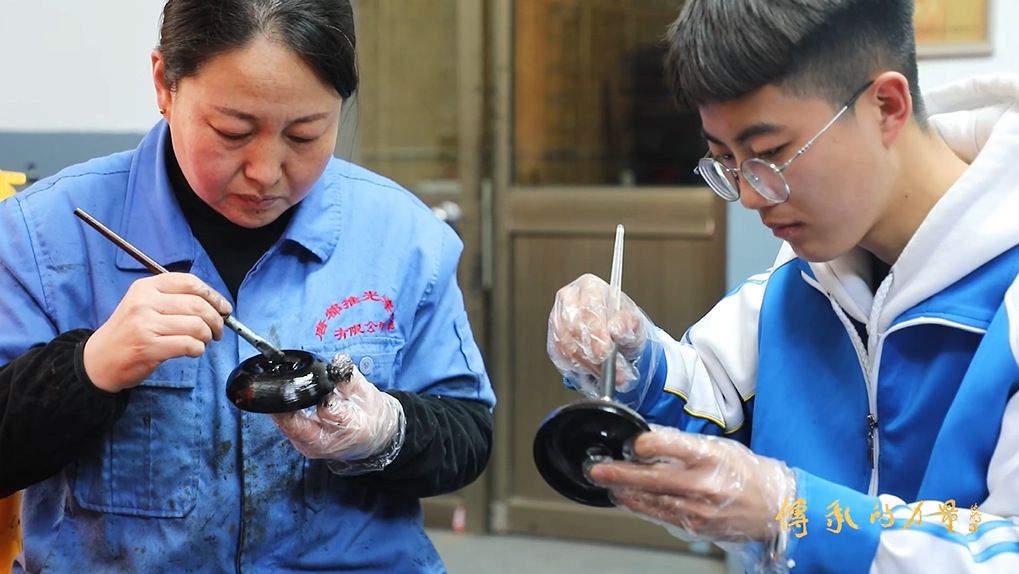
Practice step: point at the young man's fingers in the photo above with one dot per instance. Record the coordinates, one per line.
(661, 477)
(674, 444)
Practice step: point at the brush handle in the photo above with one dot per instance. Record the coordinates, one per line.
(263, 346)
(608, 368)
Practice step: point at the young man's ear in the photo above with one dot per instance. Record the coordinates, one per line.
(895, 104)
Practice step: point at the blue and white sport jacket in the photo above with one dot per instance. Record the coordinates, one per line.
(917, 422)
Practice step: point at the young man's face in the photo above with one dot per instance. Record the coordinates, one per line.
(837, 188)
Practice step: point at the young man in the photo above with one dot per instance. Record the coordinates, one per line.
(873, 370)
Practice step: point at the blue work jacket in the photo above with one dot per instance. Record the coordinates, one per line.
(186, 482)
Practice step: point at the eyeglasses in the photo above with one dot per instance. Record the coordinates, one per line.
(765, 177)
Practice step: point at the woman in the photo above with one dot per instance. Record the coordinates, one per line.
(113, 410)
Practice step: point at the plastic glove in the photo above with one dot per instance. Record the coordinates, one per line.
(356, 427)
(160, 317)
(582, 331)
(712, 488)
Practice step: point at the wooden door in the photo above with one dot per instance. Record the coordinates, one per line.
(586, 136)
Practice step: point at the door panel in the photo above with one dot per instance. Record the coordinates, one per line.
(674, 300)
(673, 274)
(590, 104)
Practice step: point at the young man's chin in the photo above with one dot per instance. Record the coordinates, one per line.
(815, 253)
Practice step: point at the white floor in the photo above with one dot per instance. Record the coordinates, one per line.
(470, 554)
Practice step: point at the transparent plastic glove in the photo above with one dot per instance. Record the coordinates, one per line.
(159, 318)
(582, 331)
(357, 427)
(710, 488)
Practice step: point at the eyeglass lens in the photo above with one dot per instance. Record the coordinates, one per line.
(721, 180)
(766, 179)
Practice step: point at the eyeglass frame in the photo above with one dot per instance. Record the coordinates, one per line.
(709, 161)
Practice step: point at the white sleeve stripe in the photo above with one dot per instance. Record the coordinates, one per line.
(916, 551)
(903, 513)
(996, 550)
(759, 279)
(714, 366)
(705, 416)
(1012, 308)
(978, 545)
(1002, 486)
(683, 396)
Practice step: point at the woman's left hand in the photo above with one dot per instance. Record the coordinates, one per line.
(711, 487)
(356, 426)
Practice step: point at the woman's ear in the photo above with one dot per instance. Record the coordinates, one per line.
(164, 96)
(895, 104)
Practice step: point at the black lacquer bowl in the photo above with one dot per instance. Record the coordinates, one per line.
(263, 385)
(573, 434)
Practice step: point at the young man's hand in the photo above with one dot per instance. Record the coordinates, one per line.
(713, 488)
(582, 330)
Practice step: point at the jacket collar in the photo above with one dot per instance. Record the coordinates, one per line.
(318, 221)
(152, 220)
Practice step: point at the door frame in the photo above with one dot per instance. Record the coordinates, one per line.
(468, 508)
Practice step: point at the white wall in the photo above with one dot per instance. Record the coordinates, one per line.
(68, 65)
(77, 66)
(752, 247)
(1005, 38)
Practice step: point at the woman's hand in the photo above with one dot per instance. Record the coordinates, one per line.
(161, 317)
(357, 427)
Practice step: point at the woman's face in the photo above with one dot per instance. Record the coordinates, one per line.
(252, 130)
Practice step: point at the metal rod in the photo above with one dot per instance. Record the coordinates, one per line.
(263, 346)
(608, 368)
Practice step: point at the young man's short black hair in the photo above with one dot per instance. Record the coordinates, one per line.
(721, 50)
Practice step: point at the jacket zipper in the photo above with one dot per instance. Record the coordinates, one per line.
(871, 358)
(875, 344)
(862, 356)
(871, 428)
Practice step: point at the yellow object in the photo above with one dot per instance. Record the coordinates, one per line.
(10, 531)
(10, 507)
(8, 179)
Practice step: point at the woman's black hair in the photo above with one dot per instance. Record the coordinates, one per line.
(321, 32)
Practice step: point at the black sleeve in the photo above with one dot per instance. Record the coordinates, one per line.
(49, 410)
(446, 446)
